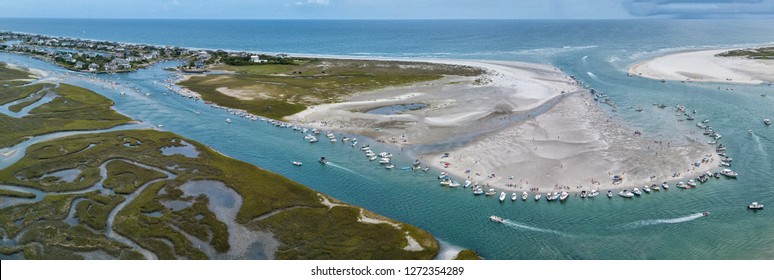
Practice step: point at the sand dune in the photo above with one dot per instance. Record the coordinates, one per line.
(704, 66)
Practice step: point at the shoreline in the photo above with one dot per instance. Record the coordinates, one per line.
(704, 66)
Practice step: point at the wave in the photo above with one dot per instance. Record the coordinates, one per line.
(516, 225)
(683, 219)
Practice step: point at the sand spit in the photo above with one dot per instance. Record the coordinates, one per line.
(704, 66)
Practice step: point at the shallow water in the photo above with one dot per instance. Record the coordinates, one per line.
(396, 109)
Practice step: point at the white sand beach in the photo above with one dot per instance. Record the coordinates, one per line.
(704, 66)
(530, 125)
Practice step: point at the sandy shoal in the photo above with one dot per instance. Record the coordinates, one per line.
(704, 66)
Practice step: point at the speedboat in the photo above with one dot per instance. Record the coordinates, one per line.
(626, 194)
(454, 184)
(706, 213)
(445, 182)
(724, 164)
(370, 154)
(384, 160)
(502, 196)
(365, 147)
(524, 196)
(313, 139)
(583, 194)
(767, 121)
(467, 184)
(297, 163)
(691, 183)
(372, 158)
(385, 154)
(728, 173)
(537, 197)
(655, 187)
(478, 191)
(564, 196)
(636, 191)
(593, 193)
(490, 192)
(443, 175)
(514, 197)
(755, 206)
(609, 194)
(646, 189)
(496, 219)
(389, 166)
(323, 160)
(333, 139)
(228, 120)
(682, 185)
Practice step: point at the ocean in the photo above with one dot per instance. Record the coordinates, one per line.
(665, 225)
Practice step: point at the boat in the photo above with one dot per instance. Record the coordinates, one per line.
(593, 193)
(313, 139)
(502, 196)
(767, 121)
(389, 166)
(724, 164)
(524, 196)
(626, 194)
(537, 197)
(372, 158)
(691, 183)
(514, 197)
(755, 206)
(333, 140)
(646, 189)
(445, 182)
(297, 163)
(478, 191)
(750, 132)
(385, 154)
(727, 159)
(370, 154)
(550, 196)
(728, 173)
(228, 120)
(443, 175)
(636, 191)
(384, 160)
(454, 184)
(496, 219)
(682, 185)
(467, 184)
(564, 196)
(323, 160)
(706, 213)
(365, 148)
(655, 187)
(583, 194)
(490, 192)
(609, 194)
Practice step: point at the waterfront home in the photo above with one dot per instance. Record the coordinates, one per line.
(257, 59)
(93, 67)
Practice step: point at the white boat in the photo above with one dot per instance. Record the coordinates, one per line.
(365, 148)
(384, 160)
(728, 173)
(655, 187)
(564, 196)
(724, 164)
(609, 194)
(389, 166)
(550, 197)
(626, 194)
(490, 192)
(323, 160)
(313, 139)
(372, 158)
(478, 191)
(665, 186)
(767, 121)
(502, 196)
(636, 191)
(755, 206)
(496, 219)
(454, 184)
(297, 163)
(537, 197)
(646, 189)
(682, 185)
(385, 154)
(445, 182)
(593, 193)
(524, 196)
(514, 197)
(467, 184)
(228, 120)
(443, 175)
(333, 140)
(370, 154)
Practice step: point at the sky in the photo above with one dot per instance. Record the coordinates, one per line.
(387, 9)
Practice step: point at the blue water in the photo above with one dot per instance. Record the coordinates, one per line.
(654, 226)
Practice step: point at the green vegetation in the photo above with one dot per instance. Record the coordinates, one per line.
(759, 53)
(294, 214)
(10, 193)
(18, 107)
(279, 90)
(76, 108)
(467, 255)
(11, 94)
(8, 73)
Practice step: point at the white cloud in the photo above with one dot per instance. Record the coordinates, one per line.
(313, 2)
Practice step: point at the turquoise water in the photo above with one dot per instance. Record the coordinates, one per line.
(661, 225)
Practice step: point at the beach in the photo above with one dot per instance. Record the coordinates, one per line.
(527, 127)
(705, 66)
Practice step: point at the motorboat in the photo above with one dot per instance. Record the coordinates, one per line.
(728, 173)
(443, 175)
(313, 139)
(467, 184)
(593, 193)
(370, 154)
(228, 120)
(724, 164)
(646, 189)
(445, 182)
(537, 197)
(609, 194)
(727, 159)
(767, 121)
(365, 147)
(454, 184)
(691, 183)
(636, 191)
(524, 196)
(514, 197)
(372, 158)
(550, 197)
(705, 213)
(682, 185)
(655, 187)
(583, 194)
(626, 194)
(323, 160)
(502, 196)
(496, 219)
(333, 140)
(297, 163)
(384, 160)
(490, 192)
(385, 154)
(755, 206)
(564, 196)
(389, 166)
(665, 186)
(478, 191)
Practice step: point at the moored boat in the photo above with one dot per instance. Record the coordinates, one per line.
(593, 193)
(767, 121)
(389, 166)
(514, 196)
(297, 163)
(564, 196)
(524, 195)
(691, 183)
(478, 191)
(609, 194)
(636, 191)
(626, 194)
(682, 185)
(537, 197)
(728, 173)
(490, 192)
(646, 189)
(755, 206)
(454, 184)
(467, 184)
(502, 196)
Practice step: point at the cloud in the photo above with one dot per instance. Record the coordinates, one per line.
(700, 8)
(313, 2)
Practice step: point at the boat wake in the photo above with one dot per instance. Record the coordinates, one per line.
(592, 75)
(684, 219)
(516, 225)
